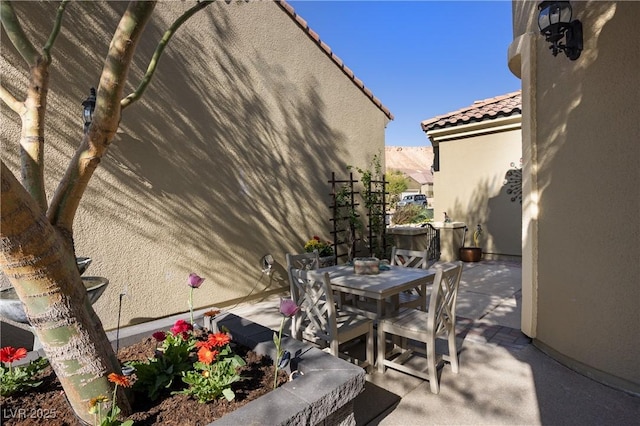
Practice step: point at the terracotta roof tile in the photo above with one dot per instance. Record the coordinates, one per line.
(314, 36)
(487, 109)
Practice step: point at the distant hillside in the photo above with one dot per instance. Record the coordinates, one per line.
(414, 161)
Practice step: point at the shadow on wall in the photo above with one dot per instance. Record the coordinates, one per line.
(197, 167)
(501, 219)
(505, 215)
(223, 164)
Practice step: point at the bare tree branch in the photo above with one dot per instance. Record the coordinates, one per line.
(17, 106)
(106, 116)
(32, 111)
(46, 50)
(108, 108)
(16, 33)
(155, 59)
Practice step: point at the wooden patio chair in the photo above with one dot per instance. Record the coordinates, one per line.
(321, 322)
(425, 327)
(414, 298)
(307, 262)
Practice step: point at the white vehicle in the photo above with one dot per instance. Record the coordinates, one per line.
(417, 199)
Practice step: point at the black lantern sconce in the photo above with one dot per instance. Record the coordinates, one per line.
(88, 105)
(554, 21)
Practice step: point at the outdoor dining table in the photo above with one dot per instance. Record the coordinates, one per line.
(384, 287)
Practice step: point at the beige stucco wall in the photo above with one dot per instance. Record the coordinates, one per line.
(470, 185)
(225, 159)
(581, 285)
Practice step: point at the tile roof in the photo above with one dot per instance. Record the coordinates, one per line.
(316, 38)
(487, 109)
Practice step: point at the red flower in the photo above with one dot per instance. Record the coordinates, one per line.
(206, 355)
(315, 237)
(181, 327)
(219, 339)
(11, 354)
(159, 336)
(204, 344)
(119, 380)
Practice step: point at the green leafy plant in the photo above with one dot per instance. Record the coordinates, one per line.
(17, 379)
(398, 183)
(157, 374)
(347, 219)
(373, 182)
(412, 214)
(372, 196)
(214, 372)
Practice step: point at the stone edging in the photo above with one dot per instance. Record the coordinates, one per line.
(324, 394)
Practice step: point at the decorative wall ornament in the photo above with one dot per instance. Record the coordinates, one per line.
(513, 182)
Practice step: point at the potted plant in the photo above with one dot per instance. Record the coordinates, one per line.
(324, 248)
(471, 254)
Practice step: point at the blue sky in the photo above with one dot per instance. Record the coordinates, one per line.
(420, 58)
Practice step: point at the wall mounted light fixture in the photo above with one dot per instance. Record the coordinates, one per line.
(267, 263)
(554, 21)
(88, 106)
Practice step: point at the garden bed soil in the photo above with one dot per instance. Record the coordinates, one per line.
(47, 403)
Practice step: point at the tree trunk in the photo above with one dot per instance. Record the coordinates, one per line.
(40, 263)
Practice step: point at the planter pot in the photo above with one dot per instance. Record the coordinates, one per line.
(366, 265)
(470, 254)
(11, 307)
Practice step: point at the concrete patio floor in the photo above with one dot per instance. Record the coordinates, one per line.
(503, 379)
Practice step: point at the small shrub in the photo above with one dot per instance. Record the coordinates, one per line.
(213, 374)
(158, 373)
(412, 214)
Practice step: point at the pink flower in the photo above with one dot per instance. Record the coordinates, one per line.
(194, 280)
(181, 327)
(288, 307)
(159, 336)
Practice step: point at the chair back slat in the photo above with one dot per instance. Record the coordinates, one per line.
(442, 303)
(306, 261)
(414, 298)
(410, 258)
(317, 314)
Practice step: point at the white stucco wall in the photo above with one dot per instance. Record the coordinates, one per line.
(225, 159)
